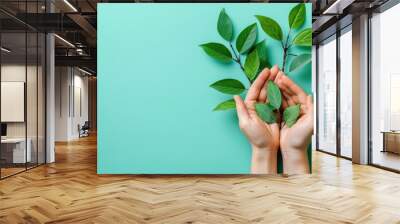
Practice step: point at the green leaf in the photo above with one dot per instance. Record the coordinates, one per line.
(251, 65)
(297, 16)
(270, 27)
(246, 38)
(274, 95)
(304, 38)
(225, 26)
(291, 114)
(217, 51)
(262, 54)
(226, 105)
(265, 112)
(228, 86)
(300, 61)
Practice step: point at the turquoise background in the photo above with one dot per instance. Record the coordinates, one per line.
(154, 101)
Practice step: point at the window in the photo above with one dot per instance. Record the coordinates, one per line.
(385, 89)
(327, 96)
(346, 92)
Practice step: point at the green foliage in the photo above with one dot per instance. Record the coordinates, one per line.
(226, 105)
(304, 38)
(299, 61)
(256, 59)
(217, 51)
(297, 16)
(265, 112)
(246, 38)
(251, 65)
(274, 95)
(225, 26)
(228, 86)
(270, 27)
(291, 114)
(262, 54)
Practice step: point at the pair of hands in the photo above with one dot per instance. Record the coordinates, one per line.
(267, 139)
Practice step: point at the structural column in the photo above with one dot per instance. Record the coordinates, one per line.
(50, 92)
(360, 90)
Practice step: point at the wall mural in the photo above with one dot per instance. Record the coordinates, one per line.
(156, 112)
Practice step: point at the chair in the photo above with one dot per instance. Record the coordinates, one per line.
(84, 129)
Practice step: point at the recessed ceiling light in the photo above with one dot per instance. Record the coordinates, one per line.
(5, 50)
(84, 71)
(70, 5)
(65, 41)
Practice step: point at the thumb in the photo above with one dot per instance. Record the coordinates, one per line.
(241, 109)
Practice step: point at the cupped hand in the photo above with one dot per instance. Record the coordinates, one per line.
(294, 140)
(260, 134)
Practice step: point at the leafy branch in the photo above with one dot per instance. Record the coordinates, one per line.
(256, 59)
(296, 18)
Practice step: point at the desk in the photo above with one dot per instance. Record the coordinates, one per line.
(391, 141)
(16, 147)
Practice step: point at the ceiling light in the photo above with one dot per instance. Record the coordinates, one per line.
(84, 71)
(70, 5)
(338, 6)
(65, 41)
(5, 50)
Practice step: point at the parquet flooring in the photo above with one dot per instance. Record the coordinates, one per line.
(70, 191)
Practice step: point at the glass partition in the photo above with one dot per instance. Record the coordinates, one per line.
(22, 77)
(14, 153)
(327, 95)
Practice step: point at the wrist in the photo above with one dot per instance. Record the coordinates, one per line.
(264, 160)
(295, 161)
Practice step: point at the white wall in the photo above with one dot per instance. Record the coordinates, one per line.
(70, 83)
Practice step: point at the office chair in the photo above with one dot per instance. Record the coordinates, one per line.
(84, 130)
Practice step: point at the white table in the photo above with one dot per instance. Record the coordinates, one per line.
(19, 155)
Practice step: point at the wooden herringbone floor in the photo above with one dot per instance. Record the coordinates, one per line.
(70, 191)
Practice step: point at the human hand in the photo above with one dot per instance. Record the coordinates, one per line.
(295, 140)
(263, 137)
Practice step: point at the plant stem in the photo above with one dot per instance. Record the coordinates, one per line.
(237, 60)
(285, 50)
(284, 58)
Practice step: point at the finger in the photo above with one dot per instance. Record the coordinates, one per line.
(263, 93)
(279, 80)
(257, 85)
(310, 105)
(274, 72)
(289, 99)
(294, 89)
(241, 109)
(284, 103)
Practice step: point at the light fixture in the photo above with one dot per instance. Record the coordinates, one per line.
(337, 7)
(70, 5)
(65, 41)
(84, 71)
(5, 50)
